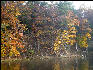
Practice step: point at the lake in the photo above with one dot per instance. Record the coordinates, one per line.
(51, 64)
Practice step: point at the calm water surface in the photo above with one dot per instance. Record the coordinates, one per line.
(51, 64)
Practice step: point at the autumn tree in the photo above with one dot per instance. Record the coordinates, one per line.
(11, 29)
(67, 37)
(84, 30)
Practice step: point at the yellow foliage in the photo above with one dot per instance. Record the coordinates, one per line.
(59, 42)
(55, 44)
(83, 41)
(9, 15)
(56, 48)
(72, 36)
(73, 32)
(88, 35)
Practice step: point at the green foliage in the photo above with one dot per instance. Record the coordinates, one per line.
(64, 6)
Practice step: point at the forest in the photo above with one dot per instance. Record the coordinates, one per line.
(36, 28)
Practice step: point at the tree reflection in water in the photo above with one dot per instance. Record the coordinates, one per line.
(53, 64)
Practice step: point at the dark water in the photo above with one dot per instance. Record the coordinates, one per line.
(51, 64)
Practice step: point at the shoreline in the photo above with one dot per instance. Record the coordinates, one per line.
(41, 57)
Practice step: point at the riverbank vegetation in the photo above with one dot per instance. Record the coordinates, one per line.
(36, 28)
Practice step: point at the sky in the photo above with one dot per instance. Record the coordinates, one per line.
(77, 3)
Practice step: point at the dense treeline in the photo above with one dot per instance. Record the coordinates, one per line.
(39, 28)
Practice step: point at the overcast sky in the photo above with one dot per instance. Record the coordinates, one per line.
(78, 3)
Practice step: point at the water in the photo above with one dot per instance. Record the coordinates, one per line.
(51, 64)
